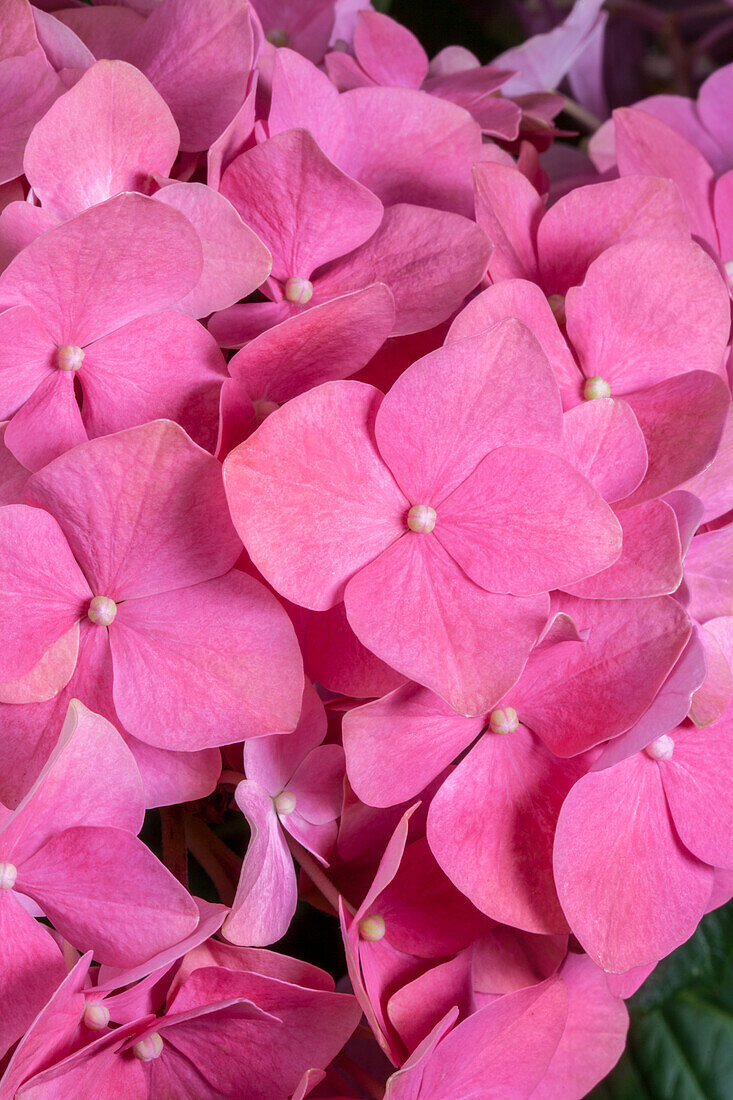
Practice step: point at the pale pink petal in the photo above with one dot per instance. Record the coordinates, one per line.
(491, 827)
(470, 396)
(154, 503)
(525, 521)
(114, 262)
(271, 761)
(700, 797)
(235, 260)
(681, 114)
(389, 53)
(206, 665)
(630, 890)
(111, 132)
(714, 93)
(429, 259)
(48, 424)
(327, 482)
(44, 591)
(417, 611)
(509, 210)
(544, 59)
(604, 442)
(32, 967)
(267, 892)
(65, 51)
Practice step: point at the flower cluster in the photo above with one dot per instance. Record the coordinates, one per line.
(355, 495)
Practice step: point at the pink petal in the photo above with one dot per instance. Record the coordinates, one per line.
(651, 559)
(318, 784)
(111, 132)
(171, 777)
(307, 25)
(604, 442)
(106, 33)
(397, 745)
(233, 138)
(474, 89)
(525, 521)
(715, 91)
(271, 761)
(588, 220)
(21, 223)
(509, 210)
(389, 53)
(629, 889)
(26, 351)
(714, 485)
(103, 889)
(646, 311)
(114, 262)
(49, 676)
(44, 590)
(48, 424)
(325, 452)
(491, 827)
(470, 397)
(237, 325)
(336, 658)
(506, 959)
(267, 892)
(303, 98)
(235, 260)
(646, 146)
(698, 791)
(28, 87)
(148, 496)
(723, 210)
(65, 51)
(199, 58)
(709, 575)
(429, 259)
(206, 665)
(714, 696)
(304, 208)
(417, 611)
(544, 59)
(32, 967)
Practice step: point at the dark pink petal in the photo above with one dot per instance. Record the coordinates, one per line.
(304, 208)
(28, 87)
(418, 611)
(206, 665)
(114, 262)
(575, 694)
(588, 220)
(111, 132)
(336, 658)
(388, 52)
(312, 467)
(44, 591)
(199, 58)
(48, 424)
(491, 827)
(170, 777)
(474, 89)
(271, 761)
(651, 559)
(103, 889)
(267, 892)
(32, 966)
(470, 397)
(525, 521)
(429, 259)
(682, 420)
(506, 959)
(235, 260)
(709, 574)
(154, 504)
(646, 146)
(107, 32)
(395, 746)
(415, 1008)
(604, 442)
(509, 210)
(164, 365)
(696, 783)
(630, 890)
(649, 310)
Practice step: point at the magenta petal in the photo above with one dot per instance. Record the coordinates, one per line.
(604, 442)
(491, 827)
(32, 966)
(48, 424)
(312, 467)
(525, 521)
(267, 892)
(509, 211)
(429, 259)
(699, 793)
(395, 746)
(103, 889)
(112, 263)
(417, 611)
(470, 396)
(44, 591)
(206, 665)
(304, 208)
(630, 890)
(111, 132)
(154, 503)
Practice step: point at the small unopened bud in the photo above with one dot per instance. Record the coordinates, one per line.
(263, 409)
(96, 1016)
(596, 387)
(372, 928)
(69, 357)
(421, 519)
(284, 803)
(148, 1049)
(102, 611)
(503, 720)
(298, 291)
(661, 749)
(557, 305)
(8, 875)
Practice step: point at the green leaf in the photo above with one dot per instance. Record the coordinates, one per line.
(680, 1043)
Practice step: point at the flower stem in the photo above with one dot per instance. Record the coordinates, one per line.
(363, 1079)
(173, 835)
(217, 859)
(317, 876)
